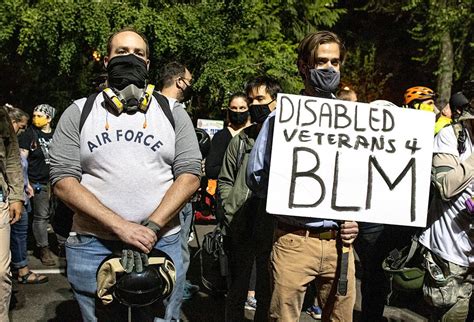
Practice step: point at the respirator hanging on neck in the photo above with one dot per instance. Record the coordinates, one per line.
(130, 99)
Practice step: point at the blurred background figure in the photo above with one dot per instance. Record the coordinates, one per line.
(239, 118)
(347, 94)
(34, 146)
(420, 98)
(11, 203)
(19, 230)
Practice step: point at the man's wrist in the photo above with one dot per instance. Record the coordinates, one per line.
(152, 225)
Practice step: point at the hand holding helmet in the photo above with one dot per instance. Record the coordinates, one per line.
(134, 259)
(135, 289)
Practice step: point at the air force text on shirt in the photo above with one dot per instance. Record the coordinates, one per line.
(120, 135)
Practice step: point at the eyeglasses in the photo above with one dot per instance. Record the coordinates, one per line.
(188, 82)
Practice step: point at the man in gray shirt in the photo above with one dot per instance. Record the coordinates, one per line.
(126, 172)
(175, 83)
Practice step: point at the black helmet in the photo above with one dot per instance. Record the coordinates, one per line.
(156, 282)
(204, 141)
(458, 103)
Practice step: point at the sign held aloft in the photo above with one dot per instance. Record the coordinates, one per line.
(346, 160)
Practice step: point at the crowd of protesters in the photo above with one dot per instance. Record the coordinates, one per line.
(126, 161)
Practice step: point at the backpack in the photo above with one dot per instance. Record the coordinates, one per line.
(404, 267)
(214, 263)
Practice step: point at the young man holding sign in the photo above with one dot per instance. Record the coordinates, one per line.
(307, 249)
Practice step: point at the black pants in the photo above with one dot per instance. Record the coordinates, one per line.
(250, 241)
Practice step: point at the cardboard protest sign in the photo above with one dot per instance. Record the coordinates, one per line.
(210, 126)
(346, 160)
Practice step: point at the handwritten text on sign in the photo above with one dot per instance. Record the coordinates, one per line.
(345, 160)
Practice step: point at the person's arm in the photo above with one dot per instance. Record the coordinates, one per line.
(452, 176)
(29, 189)
(258, 168)
(228, 172)
(66, 172)
(186, 168)
(14, 174)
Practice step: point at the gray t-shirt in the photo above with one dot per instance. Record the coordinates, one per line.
(128, 161)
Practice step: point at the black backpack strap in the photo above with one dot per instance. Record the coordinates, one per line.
(165, 106)
(86, 110)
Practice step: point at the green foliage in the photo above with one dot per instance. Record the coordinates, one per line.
(432, 18)
(224, 43)
(363, 74)
(437, 26)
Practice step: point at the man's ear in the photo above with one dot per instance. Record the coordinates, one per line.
(272, 106)
(302, 68)
(178, 82)
(147, 64)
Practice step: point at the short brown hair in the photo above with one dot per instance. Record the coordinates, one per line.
(310, 44)
(111, 37)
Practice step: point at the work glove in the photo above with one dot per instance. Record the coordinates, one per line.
(134, 259)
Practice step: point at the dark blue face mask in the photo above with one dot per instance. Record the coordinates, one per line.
(324, 80)
(259, 112)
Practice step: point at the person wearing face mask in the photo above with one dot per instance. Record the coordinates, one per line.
(297, 247)
(19, 230)
(247, 231)
(173, 77)
(34, 146)
(126, 172)
(423, 98)
(239, 118)
(175, 82)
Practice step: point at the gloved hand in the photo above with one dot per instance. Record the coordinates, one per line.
(133, 259)
(152, 225)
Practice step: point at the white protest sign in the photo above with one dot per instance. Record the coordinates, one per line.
(346, 160)
(210, 126)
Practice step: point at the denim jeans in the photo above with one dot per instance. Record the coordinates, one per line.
(185, 219)
(18, 241)
(41, 215)
(84, 255)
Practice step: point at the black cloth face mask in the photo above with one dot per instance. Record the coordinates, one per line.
(259, 112)
(324, 80)
(188, 92)
(126, 70)
(238, 118)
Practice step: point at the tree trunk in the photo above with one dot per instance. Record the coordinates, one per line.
(446, 66)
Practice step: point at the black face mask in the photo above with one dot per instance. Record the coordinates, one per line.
(324, 80)
(238, 118)
(188, 92)
(259, 112)
(125, 70)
